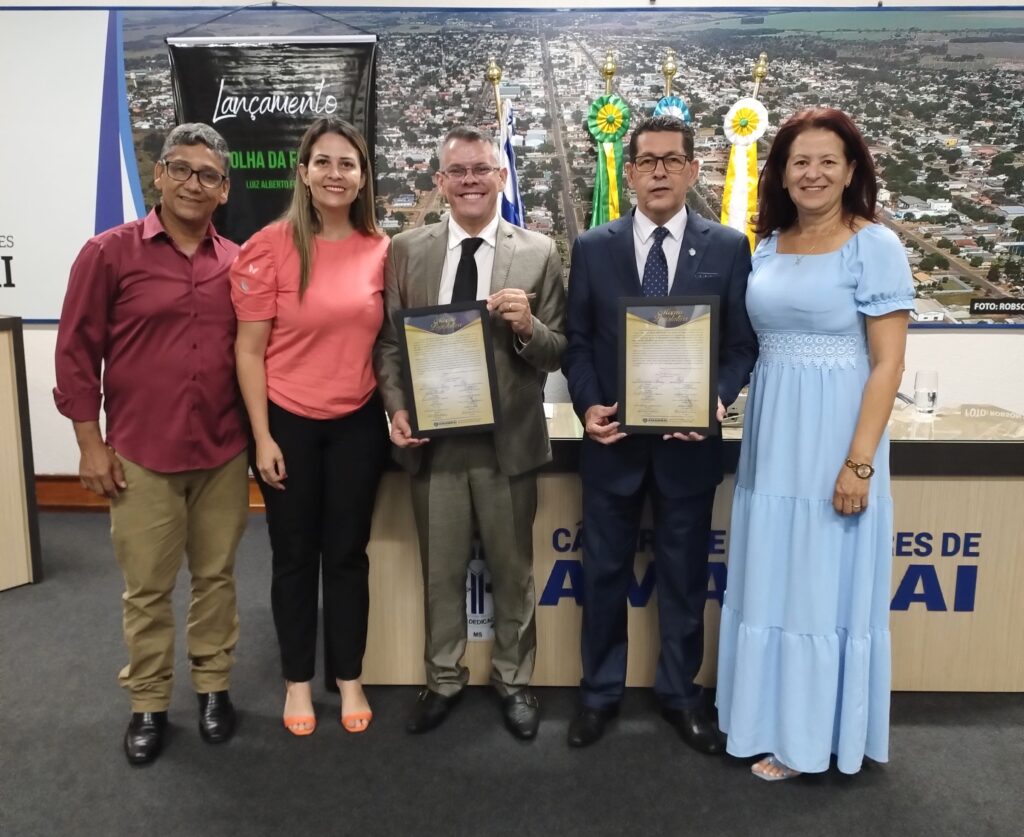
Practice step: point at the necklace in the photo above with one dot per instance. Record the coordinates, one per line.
(814, 249)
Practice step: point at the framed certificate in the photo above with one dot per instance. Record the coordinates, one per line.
(449, 368)
(668, 364)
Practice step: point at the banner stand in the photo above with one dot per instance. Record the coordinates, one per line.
(261, 94)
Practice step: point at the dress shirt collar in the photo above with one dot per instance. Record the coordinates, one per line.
(645, 227)
(456, 234)
(152, 226)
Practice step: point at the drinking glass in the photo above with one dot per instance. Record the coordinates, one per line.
(926, 392)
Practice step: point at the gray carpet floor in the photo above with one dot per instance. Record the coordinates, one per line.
(957, 760)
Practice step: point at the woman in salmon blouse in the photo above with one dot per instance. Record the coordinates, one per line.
(307, 290)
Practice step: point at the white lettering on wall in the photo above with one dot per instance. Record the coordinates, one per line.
(314, 101)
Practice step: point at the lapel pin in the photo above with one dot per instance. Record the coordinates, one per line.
(693, 252)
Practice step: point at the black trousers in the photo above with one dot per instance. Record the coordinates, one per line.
(321, 523)
(611, 524)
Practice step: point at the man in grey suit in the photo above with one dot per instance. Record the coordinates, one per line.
(482, 482)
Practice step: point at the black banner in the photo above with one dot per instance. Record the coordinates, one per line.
(261, 94)
(986, 307)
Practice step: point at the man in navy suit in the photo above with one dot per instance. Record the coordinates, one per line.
(659, 249)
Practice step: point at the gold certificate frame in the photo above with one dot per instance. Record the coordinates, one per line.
(448, 359)
(668, 364)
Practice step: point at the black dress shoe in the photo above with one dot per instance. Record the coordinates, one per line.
(216, 717)
(696, 729)
(145, 736)
(522, 714)
(588, 725)
(430, 710)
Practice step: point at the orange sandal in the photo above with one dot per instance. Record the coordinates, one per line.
(296, 724)
(350, 720)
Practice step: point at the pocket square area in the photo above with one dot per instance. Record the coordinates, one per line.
(706, 276)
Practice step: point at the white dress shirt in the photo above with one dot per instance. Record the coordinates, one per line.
(484, 260)
(643, 240)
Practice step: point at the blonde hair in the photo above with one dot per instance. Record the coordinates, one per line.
(303, 217)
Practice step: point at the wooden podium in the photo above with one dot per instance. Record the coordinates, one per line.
(20, 561)
(958, 582)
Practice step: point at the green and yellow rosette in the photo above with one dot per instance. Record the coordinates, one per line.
(608, 122)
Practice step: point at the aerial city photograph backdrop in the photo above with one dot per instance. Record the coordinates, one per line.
(939, 94)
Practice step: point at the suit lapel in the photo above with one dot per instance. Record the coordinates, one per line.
(624, 254)
(695, 242)
(504, 250)
(432, 262)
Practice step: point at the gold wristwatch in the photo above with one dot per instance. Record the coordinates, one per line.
(861, 469)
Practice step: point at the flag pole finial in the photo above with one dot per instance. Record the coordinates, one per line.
(494, 77)
(669, 69)
(760, 71)
(608, 69)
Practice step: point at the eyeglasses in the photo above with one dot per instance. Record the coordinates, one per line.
(177, 170)
(673, 163)
(461, 172)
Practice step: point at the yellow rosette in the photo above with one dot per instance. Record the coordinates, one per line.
(744, 125)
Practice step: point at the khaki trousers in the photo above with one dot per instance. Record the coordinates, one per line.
(154, 522)
(460, 489)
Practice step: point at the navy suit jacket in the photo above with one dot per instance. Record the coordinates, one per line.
(604, 270)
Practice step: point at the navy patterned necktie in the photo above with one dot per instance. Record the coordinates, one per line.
(655, 282)
(464, 289)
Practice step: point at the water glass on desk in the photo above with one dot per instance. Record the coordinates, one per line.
(926, 392)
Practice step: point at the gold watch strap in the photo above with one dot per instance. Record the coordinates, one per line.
(856, 466)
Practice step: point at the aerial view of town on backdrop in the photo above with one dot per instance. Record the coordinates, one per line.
(939, 95)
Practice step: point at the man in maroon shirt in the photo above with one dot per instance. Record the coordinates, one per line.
(148, 304)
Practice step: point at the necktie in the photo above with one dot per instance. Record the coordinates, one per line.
(655, 282)
(464, 289)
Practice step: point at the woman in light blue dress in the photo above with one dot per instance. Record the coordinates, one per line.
(804, 665)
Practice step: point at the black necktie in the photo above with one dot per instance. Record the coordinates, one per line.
(655, 282)
(464, 289)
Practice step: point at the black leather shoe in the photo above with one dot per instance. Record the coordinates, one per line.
(522, 714)
(696, 729)
(217, 717)
(588, 725)
(145, 736)
(430, 710)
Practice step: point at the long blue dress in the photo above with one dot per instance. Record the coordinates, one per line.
(804, 662)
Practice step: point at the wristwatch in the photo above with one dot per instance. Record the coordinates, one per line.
(861, 469)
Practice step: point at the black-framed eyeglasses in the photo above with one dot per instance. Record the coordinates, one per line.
(180, 171)
(461, 172)
(673, 163)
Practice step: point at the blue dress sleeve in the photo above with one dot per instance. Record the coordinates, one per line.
(884, 284)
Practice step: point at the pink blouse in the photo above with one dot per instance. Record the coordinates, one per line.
(319, 357)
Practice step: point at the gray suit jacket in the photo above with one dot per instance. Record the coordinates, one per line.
(522, 259)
